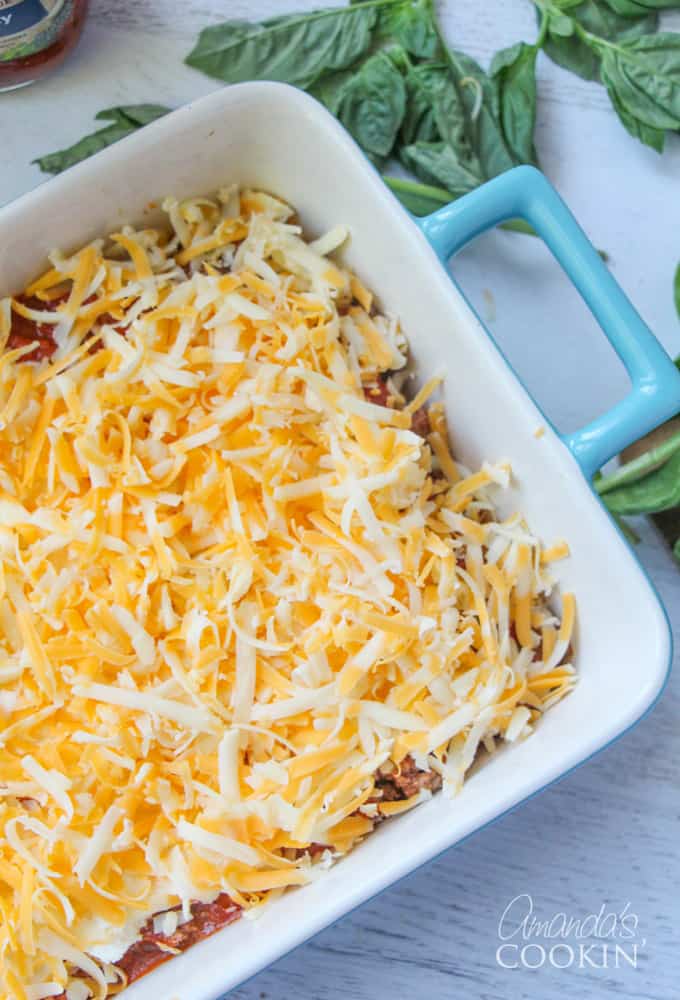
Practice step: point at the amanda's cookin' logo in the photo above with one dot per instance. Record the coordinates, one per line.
(607, 939)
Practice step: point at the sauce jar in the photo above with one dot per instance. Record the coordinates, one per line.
(36, 36)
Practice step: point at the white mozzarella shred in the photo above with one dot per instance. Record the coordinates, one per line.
(215, 843)
(99, 842)
(56, 947)
(228, 761)
(333, 239)
(40, 991)
(142, 642)
(240, 592)
(518, 723)
(143, 701)
(54, 783)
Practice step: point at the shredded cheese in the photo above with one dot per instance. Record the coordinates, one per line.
(234, 585)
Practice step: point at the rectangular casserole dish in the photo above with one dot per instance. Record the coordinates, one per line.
(272, 137)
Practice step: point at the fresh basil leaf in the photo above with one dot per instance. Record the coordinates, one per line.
(54, 163)
(644, 77)
(480, 99)
(633, 8)
(653, 137)
(331, 87)
(372, 105)
(572, 52)
(560, 24)
(599, 19)
(455, 101)
(419, 122)
(514, 73)
(659, 490)
(436, 164)
(436, 84)
(116, 115)
(124, 121)
(411, 24)
(626, 8)
(398, 55)
(295, 48)
(138, 114)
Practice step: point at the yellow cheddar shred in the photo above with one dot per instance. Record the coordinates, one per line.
(235, 585)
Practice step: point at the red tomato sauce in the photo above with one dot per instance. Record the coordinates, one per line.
(152, 949)
(24, 331)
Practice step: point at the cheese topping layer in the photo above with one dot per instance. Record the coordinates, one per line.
(235, 586)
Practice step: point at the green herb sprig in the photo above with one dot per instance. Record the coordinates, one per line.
(123, 120)
(397, 87)
(384, 70)
(616, 42)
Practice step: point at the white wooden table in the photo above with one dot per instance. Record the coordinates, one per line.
(609, 833)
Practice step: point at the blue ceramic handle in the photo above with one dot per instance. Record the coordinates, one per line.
(526, 194)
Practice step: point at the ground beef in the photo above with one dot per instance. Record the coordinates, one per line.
(312, 851)
(405, 781)
(378, 393)
(420, 422)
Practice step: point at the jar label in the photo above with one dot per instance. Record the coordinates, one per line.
(28, 26)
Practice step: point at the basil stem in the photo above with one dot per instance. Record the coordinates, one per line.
(423, 199)
(639, 467)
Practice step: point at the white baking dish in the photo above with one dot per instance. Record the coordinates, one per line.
(273, 137)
